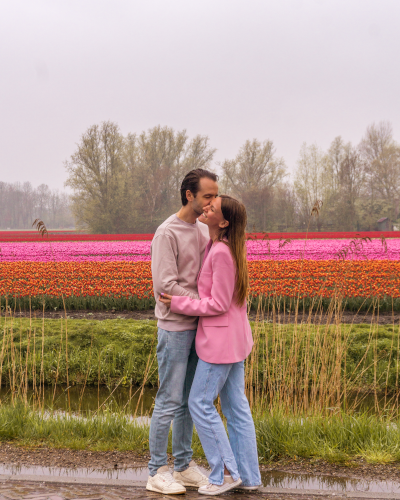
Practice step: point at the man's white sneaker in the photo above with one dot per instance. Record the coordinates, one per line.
(213, 489)
(192, 476)
(163, 482)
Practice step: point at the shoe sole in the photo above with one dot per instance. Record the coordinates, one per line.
(152, 488)
(223, 489)
(248, 488)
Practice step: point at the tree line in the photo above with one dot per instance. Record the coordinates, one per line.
(21, 204)
(130, 184)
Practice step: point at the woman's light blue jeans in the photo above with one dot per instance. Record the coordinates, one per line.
(239, 452)
(177, 361)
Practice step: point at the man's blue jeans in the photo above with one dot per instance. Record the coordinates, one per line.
(239, 452)
(177, 361)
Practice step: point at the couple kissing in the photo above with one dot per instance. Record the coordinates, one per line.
(200, 281)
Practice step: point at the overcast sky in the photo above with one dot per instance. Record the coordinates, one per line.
(286, 70)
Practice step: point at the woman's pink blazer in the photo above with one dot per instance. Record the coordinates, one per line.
(223, 333)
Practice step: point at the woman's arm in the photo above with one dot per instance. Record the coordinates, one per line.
(222, 290)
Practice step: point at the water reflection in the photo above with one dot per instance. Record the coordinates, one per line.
(132, 474)
(127, 398)
(92, 398)
(327, 483)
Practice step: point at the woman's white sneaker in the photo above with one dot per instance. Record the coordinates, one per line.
(214, 489)
(248, 488)
(163, 482)
(192, 476)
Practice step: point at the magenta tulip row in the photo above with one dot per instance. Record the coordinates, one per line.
(103, 251)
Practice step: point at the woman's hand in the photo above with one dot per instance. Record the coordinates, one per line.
(165, 299)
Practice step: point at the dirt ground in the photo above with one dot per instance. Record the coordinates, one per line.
(347, 317)
(11, 454)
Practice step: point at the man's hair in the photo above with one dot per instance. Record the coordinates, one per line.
(191, 182)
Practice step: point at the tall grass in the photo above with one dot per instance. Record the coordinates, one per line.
(303, 365)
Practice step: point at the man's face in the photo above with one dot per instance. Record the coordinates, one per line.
(207, 193)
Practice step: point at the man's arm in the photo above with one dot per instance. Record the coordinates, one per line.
(164, 268)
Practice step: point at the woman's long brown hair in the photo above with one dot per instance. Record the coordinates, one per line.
(235, 213)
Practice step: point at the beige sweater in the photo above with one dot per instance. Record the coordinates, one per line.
(177, 252)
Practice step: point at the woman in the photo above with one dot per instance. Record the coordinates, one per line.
(223, 341)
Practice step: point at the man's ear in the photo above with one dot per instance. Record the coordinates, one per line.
(189, 195)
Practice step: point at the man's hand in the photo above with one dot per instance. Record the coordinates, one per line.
(165, 299)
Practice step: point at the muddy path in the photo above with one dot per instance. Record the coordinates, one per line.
(346, 317)
(53, 457)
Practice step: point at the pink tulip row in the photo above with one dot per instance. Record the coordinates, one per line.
(324, 249)
(103, 251)
(76, 251)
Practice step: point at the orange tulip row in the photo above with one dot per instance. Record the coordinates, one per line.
(325, 278)
(290, 278)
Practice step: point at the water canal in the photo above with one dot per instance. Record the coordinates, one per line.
(90, 399)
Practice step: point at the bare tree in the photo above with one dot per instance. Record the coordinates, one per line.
(377, 137)
(351, 178)
(313, 181)
(96, 174)
(381, 156)
(255, 166)
(252, 176)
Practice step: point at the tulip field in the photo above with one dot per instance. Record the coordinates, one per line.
(105, 272)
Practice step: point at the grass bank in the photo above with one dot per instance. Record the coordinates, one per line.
(286, 357)
(339, 439)
(77, 351)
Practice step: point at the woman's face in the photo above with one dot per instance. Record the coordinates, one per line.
(212, 215)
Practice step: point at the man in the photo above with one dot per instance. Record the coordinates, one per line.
(177, 251)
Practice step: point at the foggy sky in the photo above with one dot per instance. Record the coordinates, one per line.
(286, 70)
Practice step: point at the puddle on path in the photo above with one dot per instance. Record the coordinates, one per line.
(132, 474)
(271, 479)
(327, 483)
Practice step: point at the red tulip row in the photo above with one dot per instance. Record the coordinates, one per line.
(8, 236)
(20, 236)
